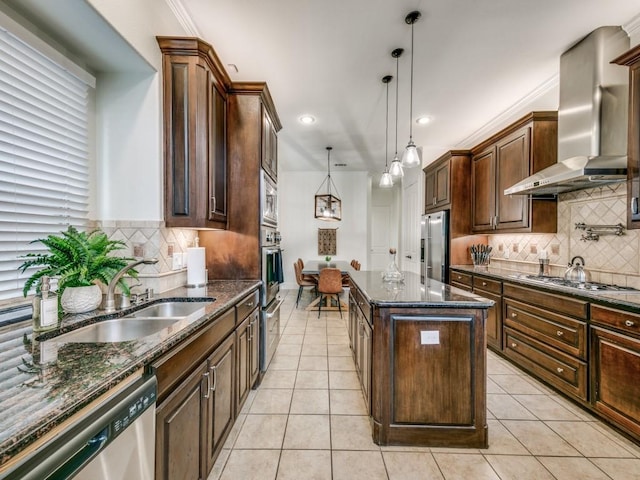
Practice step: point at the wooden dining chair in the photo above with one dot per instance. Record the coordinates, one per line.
(330, 286)
(302, 281)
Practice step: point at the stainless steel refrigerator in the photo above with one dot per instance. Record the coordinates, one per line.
(434, 247)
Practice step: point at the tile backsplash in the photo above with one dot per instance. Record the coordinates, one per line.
(152, 239)
(611, 259)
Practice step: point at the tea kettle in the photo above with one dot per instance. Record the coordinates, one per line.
(576, 271)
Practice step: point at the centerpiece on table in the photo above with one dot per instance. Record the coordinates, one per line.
(78, 260)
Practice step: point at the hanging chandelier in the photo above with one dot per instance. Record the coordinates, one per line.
(386, 181)
(410, 158)
(328, 206)
(396, 166)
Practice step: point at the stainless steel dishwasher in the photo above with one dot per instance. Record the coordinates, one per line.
(113, 440)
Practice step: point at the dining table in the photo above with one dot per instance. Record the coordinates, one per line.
(313, 267)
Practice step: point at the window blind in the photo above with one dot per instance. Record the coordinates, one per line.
(44, 154)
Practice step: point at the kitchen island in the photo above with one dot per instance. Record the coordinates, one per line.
(420, 353)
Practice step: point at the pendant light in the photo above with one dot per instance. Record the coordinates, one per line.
(328, 206)
(386, 181)
(396, 166)
(410, 158)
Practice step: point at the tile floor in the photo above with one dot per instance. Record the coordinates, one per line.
(307, 420)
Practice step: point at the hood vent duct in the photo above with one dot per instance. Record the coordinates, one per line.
(592, 118)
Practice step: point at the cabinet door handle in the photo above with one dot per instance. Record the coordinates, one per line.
(629, 323)
(495, 222)
(559, 370)
(206, 391)
(214, 374)
(250, 330)
(514, 315)
(484, 284)
(559, 333)
(514, 344)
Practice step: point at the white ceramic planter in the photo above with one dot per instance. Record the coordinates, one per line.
(81, 299)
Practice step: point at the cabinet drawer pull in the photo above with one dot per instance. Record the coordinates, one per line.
(514, 315)
(215, 378)
(560, 333)
(484, 284)
(206, 390)
(629, 323)
(514, 344)
(459, 277)
(559, 370)
(249, 304)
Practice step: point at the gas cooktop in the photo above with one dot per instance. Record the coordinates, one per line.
(591, 287)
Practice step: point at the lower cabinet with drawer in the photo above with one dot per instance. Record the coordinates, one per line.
(202, 383)
(615, 367)
(549, 339)
(491, 289)
(461, 280)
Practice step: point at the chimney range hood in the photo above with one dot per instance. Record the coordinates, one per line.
(592, 118)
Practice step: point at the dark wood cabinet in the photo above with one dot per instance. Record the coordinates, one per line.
(615, 367)
(461, 280)
(361, 340)
(632, 60)
(523, 148)
(248, 360)
(195, 134)
(546, 334)
(269, 146)
(437, 180)
(491, 289)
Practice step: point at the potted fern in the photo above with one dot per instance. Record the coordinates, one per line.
(78, 260)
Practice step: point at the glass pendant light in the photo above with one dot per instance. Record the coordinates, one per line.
(410, 158)
(386, 181)
(396, 166)
(328, 206)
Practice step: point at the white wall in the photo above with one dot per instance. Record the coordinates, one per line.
(299, 228)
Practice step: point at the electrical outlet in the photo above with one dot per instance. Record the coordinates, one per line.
(170, 249)
(138, 250)
(177, 263)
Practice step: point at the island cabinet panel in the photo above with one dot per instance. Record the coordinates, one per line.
(429, 377)
(433, 345)
(491, 289)
(615, 367)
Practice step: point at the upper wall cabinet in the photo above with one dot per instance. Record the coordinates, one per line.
(523, 148)
(195, 134)
(632, 60)
(269, 146)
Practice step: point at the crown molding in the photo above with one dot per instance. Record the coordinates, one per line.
(178, 9)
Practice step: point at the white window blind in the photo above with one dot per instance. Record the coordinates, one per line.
(44, 171)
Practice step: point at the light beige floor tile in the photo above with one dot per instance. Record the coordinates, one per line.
(313, 363)
(347, 402)
(504, 407)
(310, 401)
(407, 465)
(341, 380)
(218, 466)
(545, 407)
(539, 439)
(502, 442)
(339, 351)
(587, 440)
(289, 349)
(249, 401)
(314, 350)
(251, 465)
(341, 363)
(619, 468)
(338, 339)
(349, 465)
(272, 400)
(518, 467)
(314, 340)
(497, 366)
(235, 431)
(516, 384)
(312, 379)
(336, 330)
(617, 437)
(294, 330)
(291, 339)
(458, 466)
(307, 464)
(315, 330)
(335, 324)
(577, 468)
(284, 362)
(308, 432)
(493, 387)
(279, 379)
(262, 432)
(351, 433)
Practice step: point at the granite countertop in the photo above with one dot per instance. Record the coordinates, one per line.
(35, 396)
(411, 293)
(624, 301)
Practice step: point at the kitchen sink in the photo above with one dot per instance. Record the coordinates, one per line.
(172, 316)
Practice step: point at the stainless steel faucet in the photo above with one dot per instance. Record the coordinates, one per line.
(109, 303)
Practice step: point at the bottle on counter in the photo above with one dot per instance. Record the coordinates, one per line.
(45, 307)
(392, 273)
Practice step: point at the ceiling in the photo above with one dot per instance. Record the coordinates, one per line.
(475, 62)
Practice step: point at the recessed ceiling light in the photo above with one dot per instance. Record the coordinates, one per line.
(307, 119)
(423, 120)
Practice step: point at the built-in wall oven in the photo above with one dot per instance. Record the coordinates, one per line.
(272, 277)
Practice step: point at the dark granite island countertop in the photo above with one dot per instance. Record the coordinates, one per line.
(36, 397)
(420, 352)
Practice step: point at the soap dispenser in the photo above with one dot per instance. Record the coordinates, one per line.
(45, 307)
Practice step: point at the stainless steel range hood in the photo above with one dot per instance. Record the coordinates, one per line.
(592, 118)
